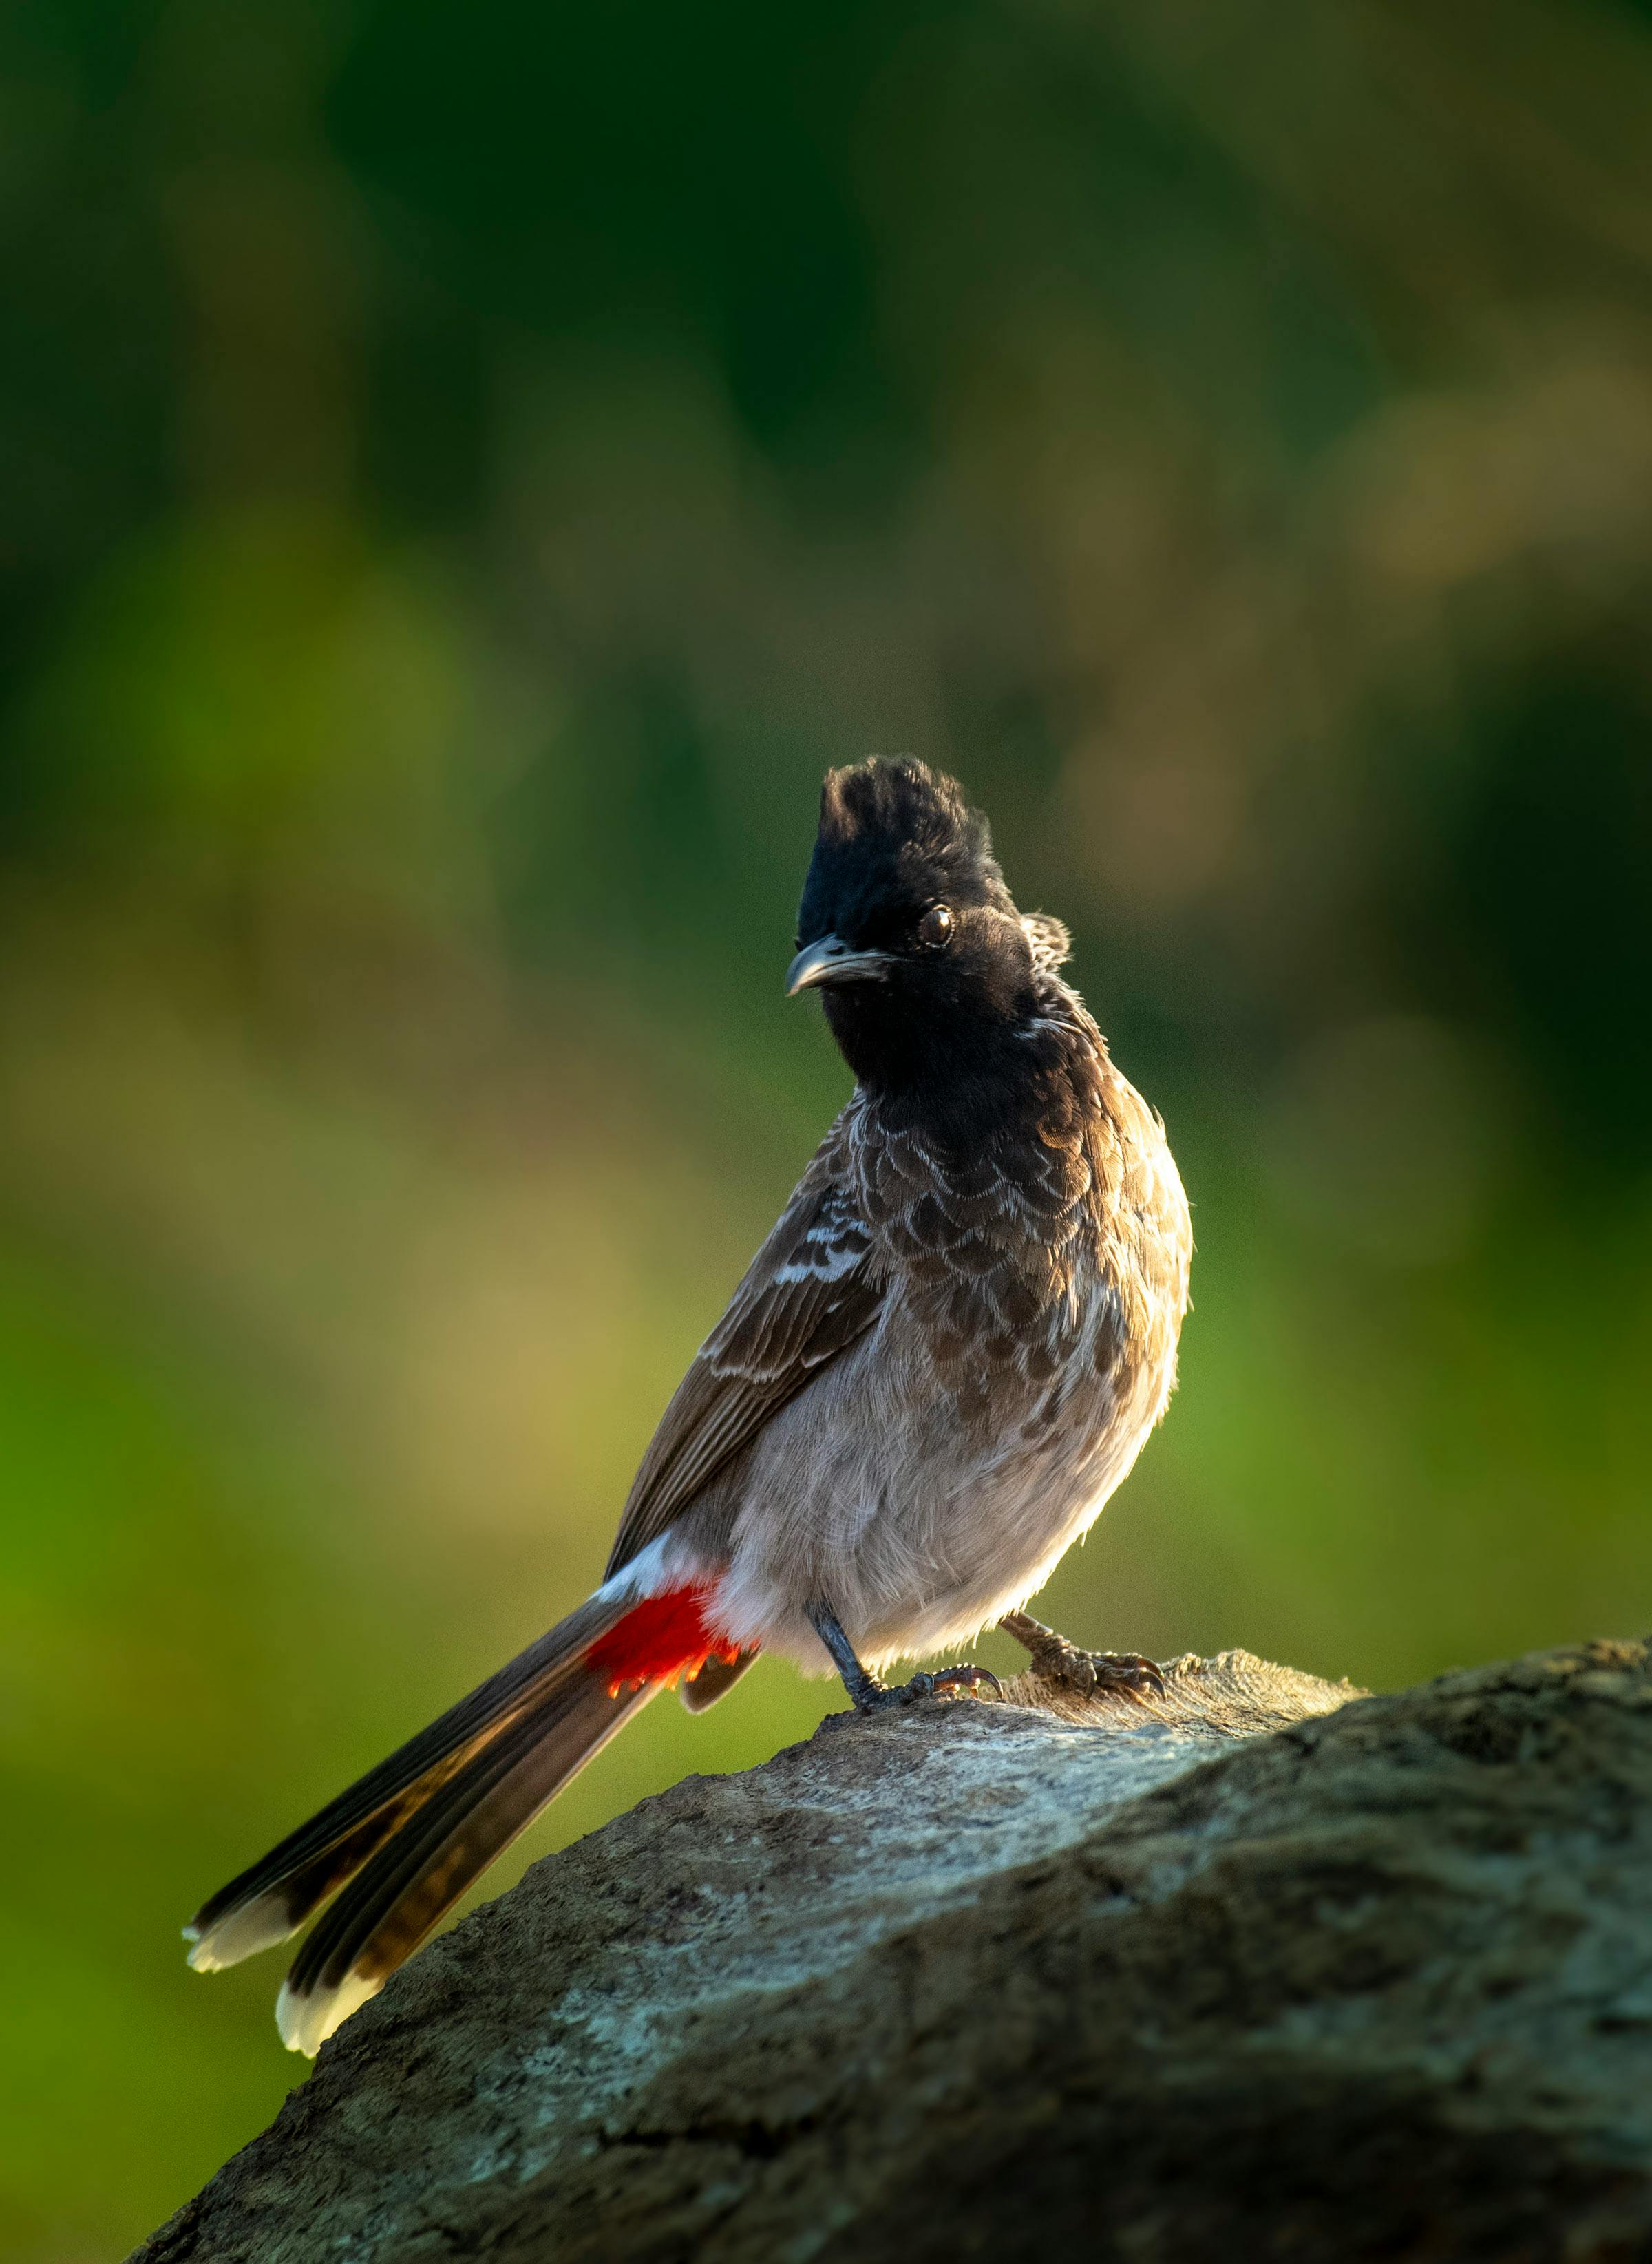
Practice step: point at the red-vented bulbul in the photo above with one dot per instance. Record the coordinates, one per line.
(944, 1358)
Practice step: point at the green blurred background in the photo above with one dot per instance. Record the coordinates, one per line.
(465, 471)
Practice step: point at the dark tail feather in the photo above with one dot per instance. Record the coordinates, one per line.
(273, 1899)
(420, 1873)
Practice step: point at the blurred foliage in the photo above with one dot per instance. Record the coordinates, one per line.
(466, 471)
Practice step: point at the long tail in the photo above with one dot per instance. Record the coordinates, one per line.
(404, 1841)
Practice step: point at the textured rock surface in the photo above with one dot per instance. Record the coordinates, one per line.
(1249, 1977)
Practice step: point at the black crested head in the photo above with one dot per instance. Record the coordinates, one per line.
(928, 971)
(895, 835)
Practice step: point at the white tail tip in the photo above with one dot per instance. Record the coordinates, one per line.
(306, 2022)
(239, 1933)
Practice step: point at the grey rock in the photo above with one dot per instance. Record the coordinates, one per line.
(1270, 1969)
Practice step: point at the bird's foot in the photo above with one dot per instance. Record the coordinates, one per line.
(875, 1697)
(1056, 1661)
(1124, 1673)
(872, 1696)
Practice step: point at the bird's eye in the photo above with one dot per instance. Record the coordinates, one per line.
(936, 924)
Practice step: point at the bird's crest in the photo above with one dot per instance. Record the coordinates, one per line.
(897, 832)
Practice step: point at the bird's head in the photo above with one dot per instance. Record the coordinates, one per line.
(908, 930)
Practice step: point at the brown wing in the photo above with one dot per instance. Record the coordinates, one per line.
(809, 1293)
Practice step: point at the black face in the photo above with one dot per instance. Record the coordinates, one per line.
(908, 930)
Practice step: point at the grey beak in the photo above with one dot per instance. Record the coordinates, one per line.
(831, 960)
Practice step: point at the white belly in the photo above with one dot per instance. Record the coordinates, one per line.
(866, 1493)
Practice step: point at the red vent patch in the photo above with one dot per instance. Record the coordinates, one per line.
(659, 1640)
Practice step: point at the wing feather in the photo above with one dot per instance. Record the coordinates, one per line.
(810, 1291)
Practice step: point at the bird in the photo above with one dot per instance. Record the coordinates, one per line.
(946, 1356)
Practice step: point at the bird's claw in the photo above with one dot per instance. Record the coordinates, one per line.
(880, 1696)
(1125, 1673)
(955, 1678)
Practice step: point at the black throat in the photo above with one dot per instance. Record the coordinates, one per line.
(964, 1079)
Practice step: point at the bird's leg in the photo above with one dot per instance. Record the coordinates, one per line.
(1057, 1660)
(870, 1696)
